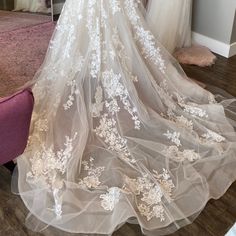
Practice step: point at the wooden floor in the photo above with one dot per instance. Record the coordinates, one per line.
(216, 219)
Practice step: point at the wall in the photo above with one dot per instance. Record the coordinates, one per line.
(213, 22)
(233, 38)
(6, 5)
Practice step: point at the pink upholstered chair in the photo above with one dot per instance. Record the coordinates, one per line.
(15, 116)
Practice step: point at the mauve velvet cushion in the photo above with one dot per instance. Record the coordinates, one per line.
(15, 116)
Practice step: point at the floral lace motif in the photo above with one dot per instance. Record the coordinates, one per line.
(41, 125)
(107, 129)
(175, 154)
(173, 137)
(212, 136)
(71, 98)
(150, 193)
(114, 88)
(92, 179)
(184, 122)
(110, 199)
(211, 99)
(109, 132)
(192, 108)
(97, 107)
(47, 165)
(195, 111)
(122, 54)
(146, 39)
(115, 6)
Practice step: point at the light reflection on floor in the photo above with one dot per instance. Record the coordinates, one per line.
(232, 231)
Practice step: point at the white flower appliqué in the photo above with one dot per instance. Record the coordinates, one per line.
(47, 165)
(110, 199)
(173, 137)
(149, 193)
(92, 179)
(175, 154)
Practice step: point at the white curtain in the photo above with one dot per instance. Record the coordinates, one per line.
(31, 5)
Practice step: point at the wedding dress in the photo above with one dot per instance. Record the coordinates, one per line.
(170, 22)
(119, 133)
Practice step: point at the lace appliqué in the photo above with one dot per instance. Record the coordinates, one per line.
(211, 99)
(173, 137)
(192, 108)
(91, 181)
(150, 193)
(115, 6)
(107, 129)
(124, 59)
(41, 125)
(184, 122)
(110, 199)
(146, 39)
(114, 88)
(71, 98)
(96, 47)
(109, 132)
(212, 136)
(97, 107)
(175, 154)
(47, 165)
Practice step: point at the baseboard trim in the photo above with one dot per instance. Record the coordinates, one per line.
(57, 8)
(223, 49)
(232, 51)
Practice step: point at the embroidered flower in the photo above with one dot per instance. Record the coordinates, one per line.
(173, 137)
(149, 192)
(110, 199)
(47, 165)
(175, 154)
(144, 37)
(94, 173)
(212, 136)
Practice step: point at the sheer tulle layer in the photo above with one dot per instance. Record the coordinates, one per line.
(119, 133)
(170, 22)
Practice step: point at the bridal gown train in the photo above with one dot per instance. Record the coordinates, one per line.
(119, 133)
(170, 22)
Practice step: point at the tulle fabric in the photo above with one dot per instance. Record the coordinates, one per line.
(170, 22)
(119, 133)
